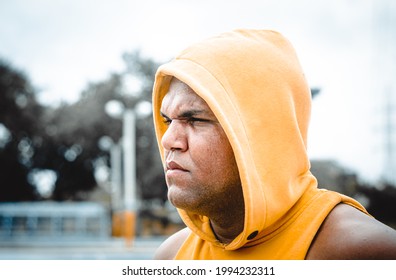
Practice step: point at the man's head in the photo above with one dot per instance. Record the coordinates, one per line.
(201, 172)
(253, 96)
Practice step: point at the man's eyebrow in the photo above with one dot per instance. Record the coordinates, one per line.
(186, 114)
(163, 115)
(190, 113)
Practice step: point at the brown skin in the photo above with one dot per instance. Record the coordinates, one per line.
(197, 185)
(346, 234)
(195, 145)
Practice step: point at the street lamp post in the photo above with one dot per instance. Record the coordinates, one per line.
(116, 188)
(125, 221)
(130, 198)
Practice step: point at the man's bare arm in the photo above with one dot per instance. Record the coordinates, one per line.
(170, 247)
(347, 233)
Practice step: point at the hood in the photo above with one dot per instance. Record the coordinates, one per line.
(253, 82)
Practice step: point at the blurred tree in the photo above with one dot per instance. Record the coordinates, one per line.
(66, 139)
(73, 132)
(382, 202)
(19, 120)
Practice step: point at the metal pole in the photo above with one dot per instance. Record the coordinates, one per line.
(129, 160)
(116, 189)
(116, 177)
(130, 201)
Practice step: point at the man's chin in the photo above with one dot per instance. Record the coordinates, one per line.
(181, 202)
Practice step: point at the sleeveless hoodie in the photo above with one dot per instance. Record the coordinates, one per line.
(253, 82)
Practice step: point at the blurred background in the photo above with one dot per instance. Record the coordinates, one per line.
(80, 173)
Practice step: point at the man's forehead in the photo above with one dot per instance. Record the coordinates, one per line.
(177, 87)
(181, 95)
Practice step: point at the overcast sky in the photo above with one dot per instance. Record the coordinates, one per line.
(346, 48)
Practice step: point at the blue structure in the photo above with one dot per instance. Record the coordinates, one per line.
(53, 221)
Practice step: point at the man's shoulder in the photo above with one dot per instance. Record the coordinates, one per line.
(348, 233)
(170, 247)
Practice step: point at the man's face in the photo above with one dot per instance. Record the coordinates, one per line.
(201, 172)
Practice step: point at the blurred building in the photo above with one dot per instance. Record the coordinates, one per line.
(333, 176)
(52, 221)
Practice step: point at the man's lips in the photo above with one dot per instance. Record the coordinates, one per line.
(174, 166)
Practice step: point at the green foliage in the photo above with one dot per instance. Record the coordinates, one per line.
(65, 139)
(18, 114)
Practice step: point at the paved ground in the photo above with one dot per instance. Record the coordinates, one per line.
(108, 249)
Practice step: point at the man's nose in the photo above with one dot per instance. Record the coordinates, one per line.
(175, 138)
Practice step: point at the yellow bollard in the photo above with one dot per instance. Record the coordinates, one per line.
(117, 224)
(129, 227)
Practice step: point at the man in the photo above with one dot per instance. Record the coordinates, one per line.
(231, 117)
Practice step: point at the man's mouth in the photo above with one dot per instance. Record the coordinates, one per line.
(174, 166)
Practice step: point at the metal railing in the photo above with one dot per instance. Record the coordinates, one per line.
(53, 220)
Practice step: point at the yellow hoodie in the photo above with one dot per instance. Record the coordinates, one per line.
(253, 82)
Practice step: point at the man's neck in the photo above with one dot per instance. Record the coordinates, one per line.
(225, 231)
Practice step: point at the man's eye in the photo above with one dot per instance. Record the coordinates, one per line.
(191, 121)
(195, 121)
(167, 121)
